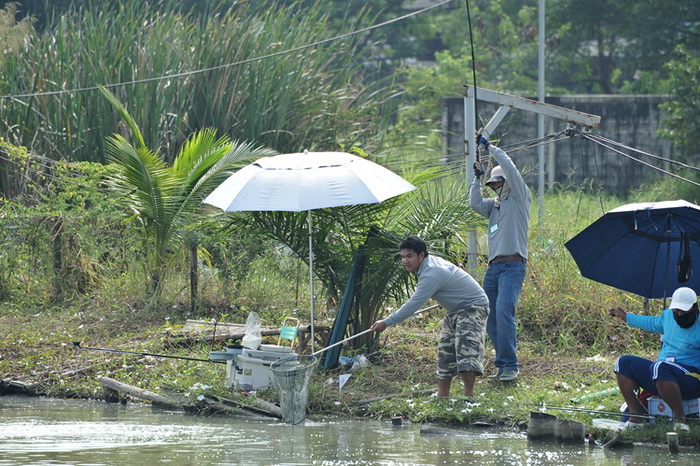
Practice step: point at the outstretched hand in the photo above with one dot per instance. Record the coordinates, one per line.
(480, 139)
(378, 326)
(618, 312)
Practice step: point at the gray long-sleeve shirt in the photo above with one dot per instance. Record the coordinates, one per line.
(450, 286)
(508, 223)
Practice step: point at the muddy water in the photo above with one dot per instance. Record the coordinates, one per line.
(49, 432)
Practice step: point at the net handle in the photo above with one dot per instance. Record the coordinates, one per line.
(367, 331)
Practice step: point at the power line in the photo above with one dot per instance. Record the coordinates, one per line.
(657, 157)
(229, 65)
(647, 164)
(599, 140)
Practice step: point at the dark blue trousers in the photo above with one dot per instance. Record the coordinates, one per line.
(645, 372)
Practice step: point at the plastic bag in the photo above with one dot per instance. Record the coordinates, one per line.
(252, 337)
(360, 363)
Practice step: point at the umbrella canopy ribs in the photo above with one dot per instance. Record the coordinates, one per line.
(644, 248)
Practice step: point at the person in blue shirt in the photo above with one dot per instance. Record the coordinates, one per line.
(461, 346)
(674, 374)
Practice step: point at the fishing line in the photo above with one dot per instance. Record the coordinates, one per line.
(420, 311)
(611, 413)
(596, 411)
(77, 345)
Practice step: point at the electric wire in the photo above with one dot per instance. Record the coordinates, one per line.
(523, 145)
(647, 164)
(36, 160)
(444, 169)
(657, 157)
(229, 65)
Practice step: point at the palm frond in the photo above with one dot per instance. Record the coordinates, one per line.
(124, 114)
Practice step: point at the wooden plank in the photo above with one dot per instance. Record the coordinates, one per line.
(197, 330)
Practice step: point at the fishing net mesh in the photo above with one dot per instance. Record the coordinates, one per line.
(291, 376)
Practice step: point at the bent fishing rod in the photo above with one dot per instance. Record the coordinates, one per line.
(77, 345)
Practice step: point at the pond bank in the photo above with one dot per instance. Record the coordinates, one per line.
(398, 381)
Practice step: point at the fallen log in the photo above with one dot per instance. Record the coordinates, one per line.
(256, 405)
(199, 330)
(190, 339)
(214, 406)
(139, 393)
(396, 395)
(15, 387)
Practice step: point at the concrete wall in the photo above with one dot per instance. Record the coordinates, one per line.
(630, 120)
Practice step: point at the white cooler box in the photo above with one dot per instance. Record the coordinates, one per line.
(659, 407)
(252, 370)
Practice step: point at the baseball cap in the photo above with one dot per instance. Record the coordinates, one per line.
(683, 299)
(496, 175)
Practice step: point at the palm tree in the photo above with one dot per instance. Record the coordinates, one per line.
(163, 199)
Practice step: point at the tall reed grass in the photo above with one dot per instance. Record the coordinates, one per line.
(311, 98)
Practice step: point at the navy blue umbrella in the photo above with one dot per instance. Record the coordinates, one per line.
(646, 248)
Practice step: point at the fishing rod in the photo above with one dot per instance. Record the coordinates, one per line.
(596, 411)
(420, 311)
(471, 42)
(77, 345)
(476, 110)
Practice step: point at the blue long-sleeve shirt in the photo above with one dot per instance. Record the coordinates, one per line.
(508, 223)
(680, 342)
(450, 286)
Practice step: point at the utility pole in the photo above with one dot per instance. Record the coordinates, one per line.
(540, 116)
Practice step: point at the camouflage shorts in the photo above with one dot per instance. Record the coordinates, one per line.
(461, 346)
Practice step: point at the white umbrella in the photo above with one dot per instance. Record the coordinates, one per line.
(307, 181)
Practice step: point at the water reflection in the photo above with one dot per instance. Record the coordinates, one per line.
(45, 431)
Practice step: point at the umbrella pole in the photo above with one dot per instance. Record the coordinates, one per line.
(668, 259)
(311, 274)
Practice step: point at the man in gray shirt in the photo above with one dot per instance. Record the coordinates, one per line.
(461, 346)
(508, 214)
